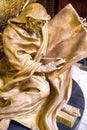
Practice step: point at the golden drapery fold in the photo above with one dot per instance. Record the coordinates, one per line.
(67, 37)
(33, 96)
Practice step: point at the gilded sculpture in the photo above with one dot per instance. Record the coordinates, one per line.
(38, 54)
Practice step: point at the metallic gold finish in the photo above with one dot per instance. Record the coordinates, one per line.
(10, 9)
(36, 76)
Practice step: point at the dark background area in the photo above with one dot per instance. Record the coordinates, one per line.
(54, 6)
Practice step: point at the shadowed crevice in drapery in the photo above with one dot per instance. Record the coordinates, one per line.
(58, 97)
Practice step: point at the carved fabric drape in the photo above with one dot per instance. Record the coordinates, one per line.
(33, 97)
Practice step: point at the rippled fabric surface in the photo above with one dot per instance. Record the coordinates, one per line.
(36, 76)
